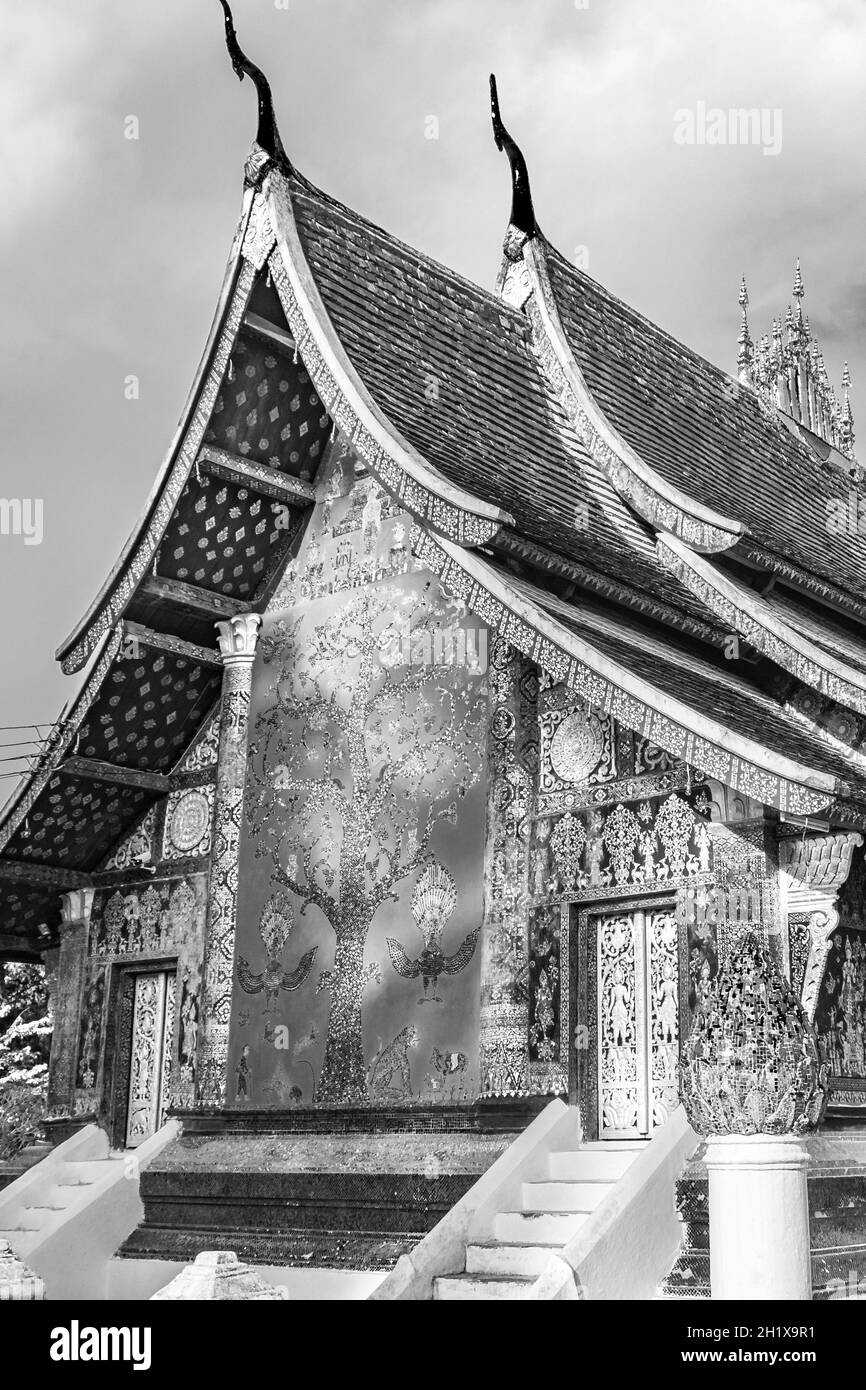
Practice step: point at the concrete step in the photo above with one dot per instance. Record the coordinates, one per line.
(515, 1261)
(464, 1287)
(537, 1228)
(589, 1165)
(564, 1196)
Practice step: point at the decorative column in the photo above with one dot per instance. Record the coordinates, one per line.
(237, 639)
(504, 1041)
(750, 1083)
(67, 965)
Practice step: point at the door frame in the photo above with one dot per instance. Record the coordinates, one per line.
(121, 1000)
(579, 998)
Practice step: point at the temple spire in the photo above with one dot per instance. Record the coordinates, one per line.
(267, 136)
(522, 212)
(789, 372)
(744, 342)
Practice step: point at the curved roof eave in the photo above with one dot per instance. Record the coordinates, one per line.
(144, 539)
(753, 619)
(18, 807)
(713, 748)
(394, 462)
(655, 499)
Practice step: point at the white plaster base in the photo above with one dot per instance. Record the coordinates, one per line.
(759, 1217)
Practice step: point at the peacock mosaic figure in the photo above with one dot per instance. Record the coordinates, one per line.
(433, 901)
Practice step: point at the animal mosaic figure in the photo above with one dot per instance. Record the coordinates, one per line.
(390, 1074)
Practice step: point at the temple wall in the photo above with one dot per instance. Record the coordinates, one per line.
(360, 899)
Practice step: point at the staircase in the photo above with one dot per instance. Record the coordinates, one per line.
(56, 1201)
(67, 1215)
(552, 1211)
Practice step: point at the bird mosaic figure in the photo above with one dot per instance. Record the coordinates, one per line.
(433, 902)
(277, 923)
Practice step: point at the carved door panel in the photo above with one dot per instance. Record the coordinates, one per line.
(150, 1061)
(638, 1022)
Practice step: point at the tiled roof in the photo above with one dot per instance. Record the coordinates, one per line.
(672, 666)
(703, 432)
(451, 367)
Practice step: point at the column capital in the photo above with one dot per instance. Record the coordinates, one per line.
(75, 907)
(238, 638)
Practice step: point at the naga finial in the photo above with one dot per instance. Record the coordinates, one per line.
(267, 136)
(522, 212)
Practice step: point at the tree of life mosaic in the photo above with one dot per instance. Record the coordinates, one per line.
(365, 743)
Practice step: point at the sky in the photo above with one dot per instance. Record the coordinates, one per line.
(112, 250)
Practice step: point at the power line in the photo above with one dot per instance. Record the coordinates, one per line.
(16, 728)
(19, 757)
(23, 743)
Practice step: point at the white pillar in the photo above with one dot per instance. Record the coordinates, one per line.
(759, 1217)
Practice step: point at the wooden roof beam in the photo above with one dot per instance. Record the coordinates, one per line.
(136, 635)
(97, 771)
(258, 477)
(42, 875)
(204, 601)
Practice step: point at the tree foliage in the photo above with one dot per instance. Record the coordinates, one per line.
(25, 1041)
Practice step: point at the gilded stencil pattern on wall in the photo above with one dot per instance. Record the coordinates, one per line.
(652, 842)
(143, 920)
(136, 848)
(358, 757)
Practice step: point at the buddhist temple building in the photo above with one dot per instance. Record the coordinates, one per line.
(485, 674)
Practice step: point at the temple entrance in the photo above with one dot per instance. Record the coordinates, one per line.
(628, 1018)
(153, 1001)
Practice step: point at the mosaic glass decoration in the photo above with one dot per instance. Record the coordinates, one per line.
(576, 747)
(751, 1065)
